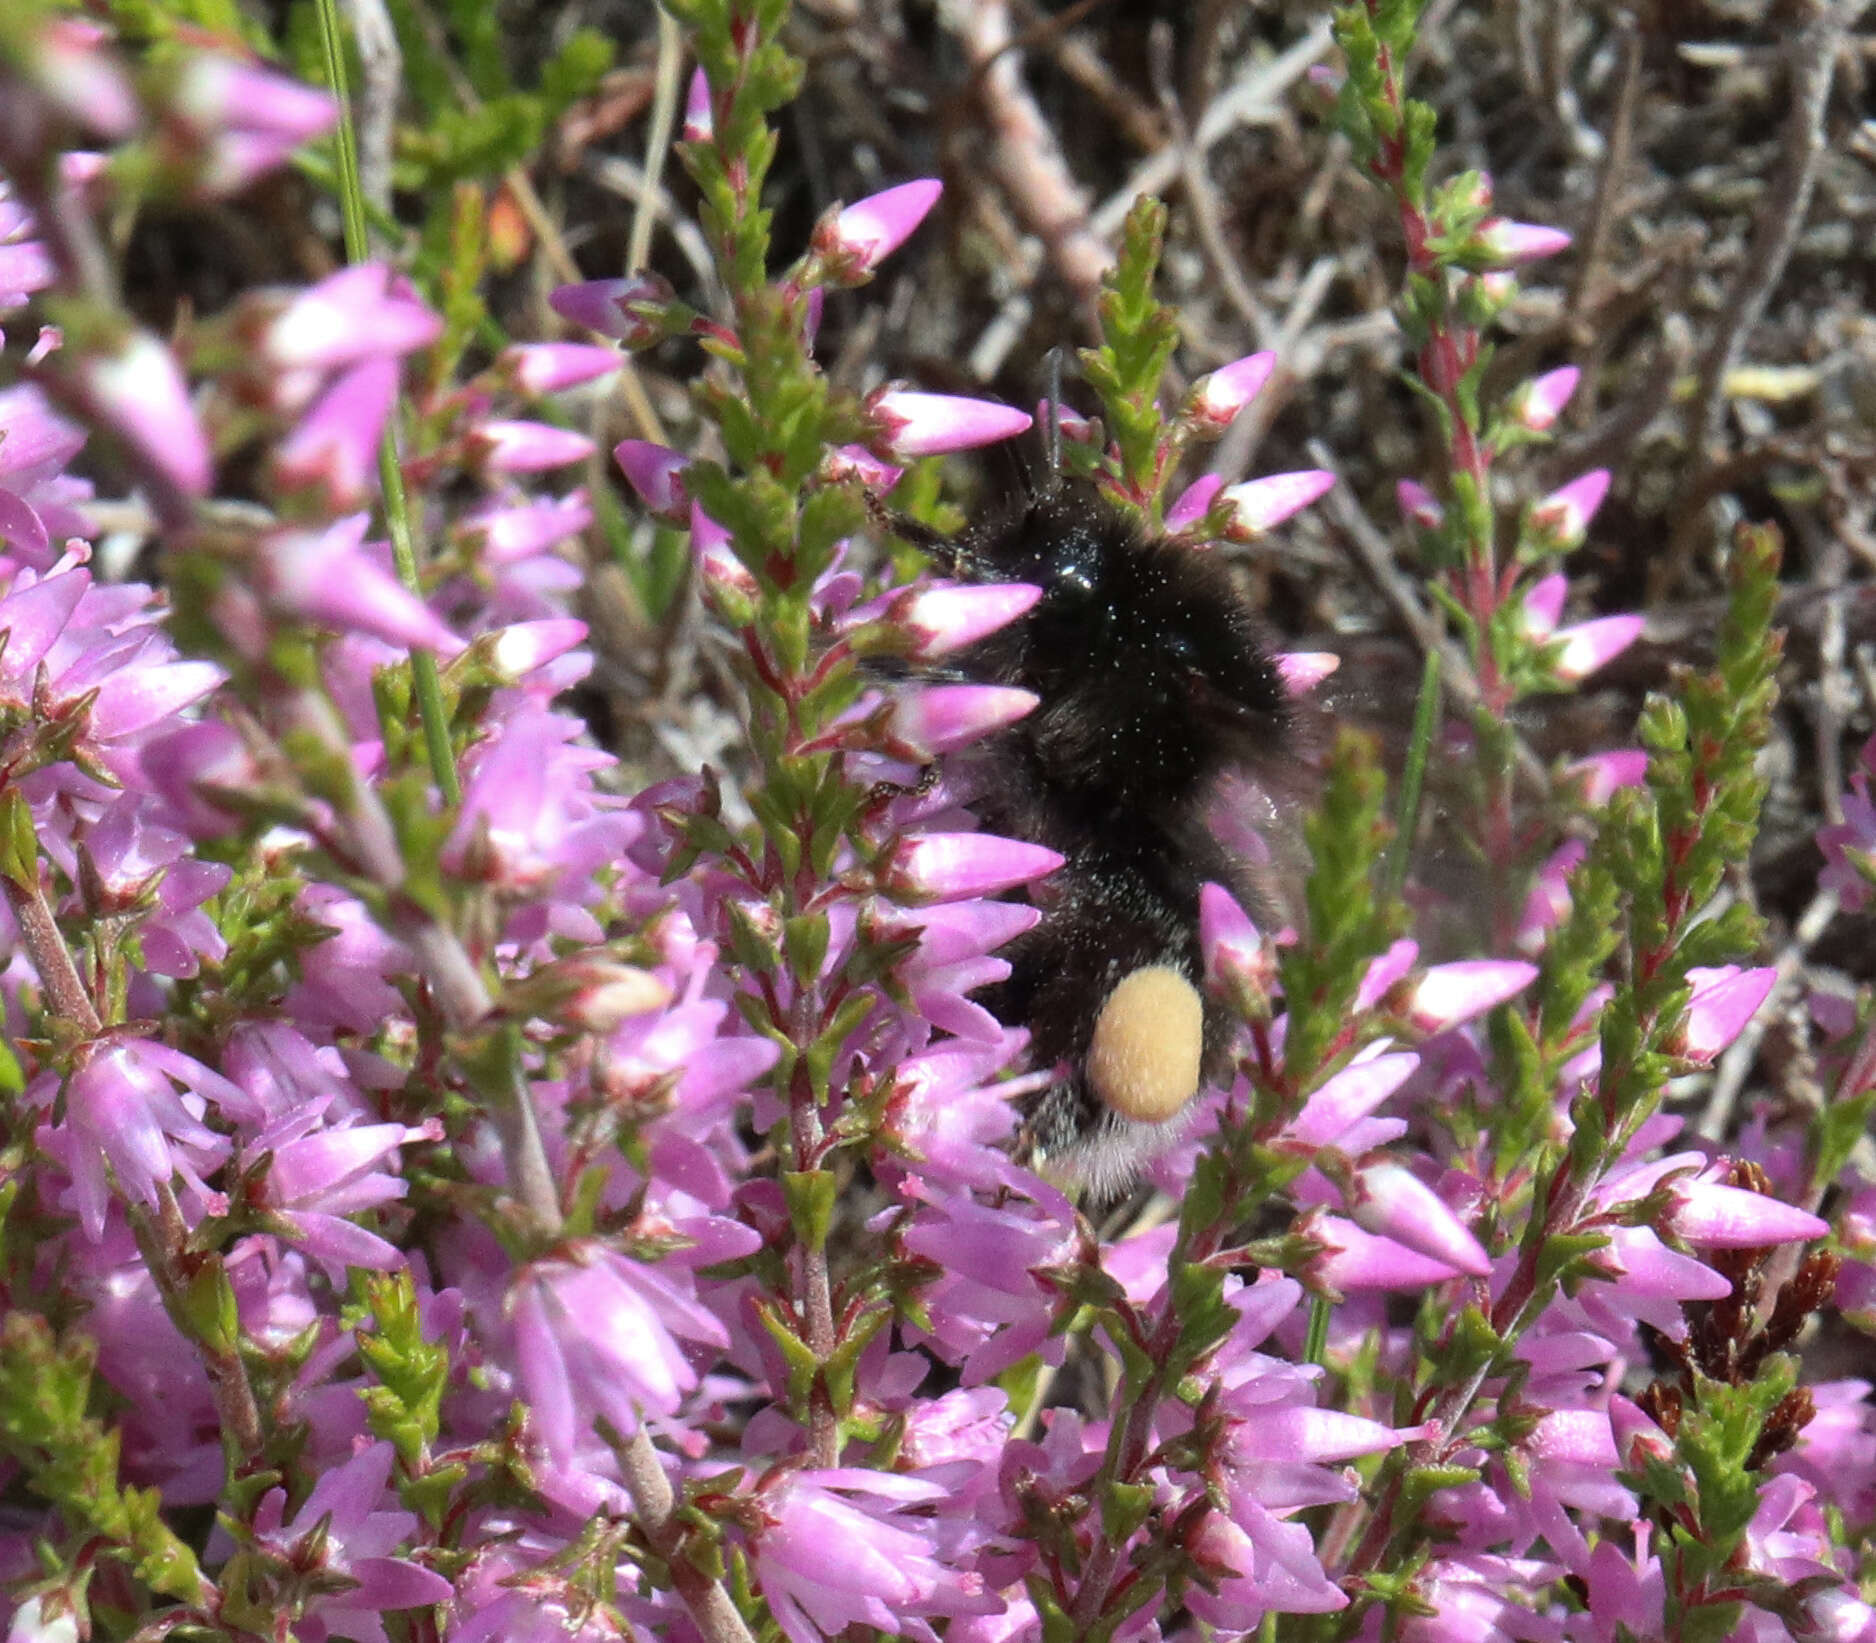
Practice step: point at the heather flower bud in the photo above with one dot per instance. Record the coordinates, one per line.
(928, 623)
(907, 425)
(335, 445)
(67, 64)
(523, 648)
(951, 866)
(848, 246)
(1537, 404)
(357, 312)
(1331, 1114)
(138, 388)
(1354, 1259)
(1259, 504)
(1193, 503)
(1724, 1000)
(699, 120)
(245, 119)
(526, 447)
(631, 311)
(330, 578)
(593, 993)
(1302, 670)
(654, 472)
(1418, 505)
(1603, 774)
(1501, 243)
(1559, 522)
(1549, 899)
(1702, 1210)
(1388, 1199)
(1450, 994)
(940, 718)
(1216, 399)
(1238, 962)
(550, 367)
(1590, 645)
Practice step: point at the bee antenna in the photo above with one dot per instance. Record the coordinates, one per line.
(1052, 422)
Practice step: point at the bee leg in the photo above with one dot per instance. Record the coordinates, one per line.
(881, 794)
(1148, 1048)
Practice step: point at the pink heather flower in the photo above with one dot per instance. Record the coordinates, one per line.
(1268, 1568)
(908, 425)
(1724, 1000)
(699, 119)
(1475, 1600)
(67, 62)
(1237, 958)
(1418, 505)
(1507, 244)
(870, 230)
(1449, 995)
(317, 1177)
(506, 532)
(140, 871)
(551, 367)
(139, 391)
(937, 621)
(856, 462)
(606, 306)
(654, 472)
(526, 447)
(1302, 670)
(1626, 1596)
(357, 313)
(851, 1547)
(244, 119)
(25, 266)
(1849, 846)
(1702, 1209)
(941, 718)
(1604, 774)
(1354, 1260)
(100, 653)
(1549, 899)
(1538, 403)
(339, 1548)
(598, 1334)
(1591, 645)
(1217, 398)
(334, 449)
(1193, 503)
(1259, 504)
(524, 648)
(950, 866)
(1337, 1112)
(124, 1110)
(1543, 605)
(36, 496)
(333, 578)
(531, 818)
(1389, 1199)
(347, 980)
(1560, 521)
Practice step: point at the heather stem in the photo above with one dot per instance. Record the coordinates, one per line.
(45, 946)
(427, 686)
(655, 1506)
(162, 1240)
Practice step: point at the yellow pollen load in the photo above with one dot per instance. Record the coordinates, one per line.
(1148, 1042)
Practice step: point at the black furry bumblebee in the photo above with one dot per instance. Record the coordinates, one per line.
(1153, 689)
